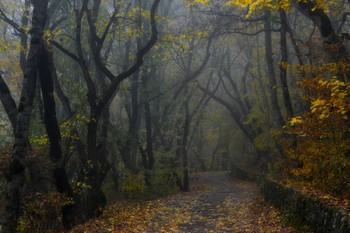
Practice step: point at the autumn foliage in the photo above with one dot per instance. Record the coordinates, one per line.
(320, 145)
(258, 5)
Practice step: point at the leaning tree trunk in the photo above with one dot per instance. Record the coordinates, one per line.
(61, 180)
(332, 44)
(8, 103)
(17, 165)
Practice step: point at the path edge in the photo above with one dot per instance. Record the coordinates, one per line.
(311, 211)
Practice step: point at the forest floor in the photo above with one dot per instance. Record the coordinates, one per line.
(216, 203)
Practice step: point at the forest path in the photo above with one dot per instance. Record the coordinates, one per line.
(216, 203)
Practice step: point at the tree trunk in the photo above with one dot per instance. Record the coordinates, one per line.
(130, 146)
(97, 167)
(68, 113)
(17, 165)
(24, 35)
(332, 44)
(98, 164)
(53, 131)
(93, 196)
(149, 154)
(284, 60)
(8, 103)
(271, 71)
(186, 131)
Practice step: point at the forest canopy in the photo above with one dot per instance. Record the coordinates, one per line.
(103, 101)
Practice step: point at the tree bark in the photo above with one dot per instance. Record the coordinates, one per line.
(331, 41)
(186, 131)
(23, 35)
(53, 131)
(284, 60)
(17, 165)
(68, 113)
(271, 71)
(149, 154)
(8, 103)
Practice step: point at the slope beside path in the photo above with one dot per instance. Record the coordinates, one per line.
(216, 203)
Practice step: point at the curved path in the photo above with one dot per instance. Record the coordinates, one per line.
(216, 203)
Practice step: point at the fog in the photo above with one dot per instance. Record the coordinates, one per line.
(108, 102)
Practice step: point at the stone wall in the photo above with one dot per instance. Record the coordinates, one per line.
(320, 217)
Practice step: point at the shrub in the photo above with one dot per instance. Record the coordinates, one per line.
(321, 137)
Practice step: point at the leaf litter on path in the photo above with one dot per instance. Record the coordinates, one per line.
(215, 204)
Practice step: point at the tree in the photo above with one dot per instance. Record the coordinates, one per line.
(140, 94)
(98, 164)
(41, 63)
(321, 134)
(17, 166)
